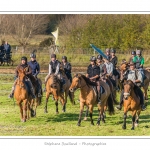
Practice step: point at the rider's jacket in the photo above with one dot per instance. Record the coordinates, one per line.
(93, 71)
(35, 67)
(138, 61)
(54, 67)
(67, 69)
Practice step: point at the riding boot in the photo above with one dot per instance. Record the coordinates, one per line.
(140, 94)
(119, 107)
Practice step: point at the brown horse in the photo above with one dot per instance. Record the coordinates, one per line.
(123, 69)
(131, 103)
(22, 96)
(88, 97)
(53, 87)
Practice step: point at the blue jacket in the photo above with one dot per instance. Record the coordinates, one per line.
(7, 47)
(35, 67)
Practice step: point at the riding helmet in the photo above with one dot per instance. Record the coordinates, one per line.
(24, 58)
(133, 53)
(53, 56)
(32, 55)
(100, 57)
(113, 51)
(93, 58)
(64, 57)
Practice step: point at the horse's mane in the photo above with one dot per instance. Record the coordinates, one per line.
(87, 80)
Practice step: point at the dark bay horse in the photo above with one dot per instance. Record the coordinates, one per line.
(53, 87)
(88, 97)
(23, 99)
(131, 103)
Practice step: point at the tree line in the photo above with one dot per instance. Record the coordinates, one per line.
(120, 31)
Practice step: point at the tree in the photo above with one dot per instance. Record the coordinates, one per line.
(23, 26)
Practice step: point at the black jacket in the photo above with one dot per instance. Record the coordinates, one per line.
(93, 71)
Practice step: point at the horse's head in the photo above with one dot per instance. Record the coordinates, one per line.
(123, 68)
(128, 86)
(76, 83)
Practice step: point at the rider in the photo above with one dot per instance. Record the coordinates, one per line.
(101, 65)
(54, 67)
(139, 62)
(93, 73)
(28, 73)
(133, 55)
(108, 53)
(67, 67)
(114, 61)
(136, 77)
(35, 71)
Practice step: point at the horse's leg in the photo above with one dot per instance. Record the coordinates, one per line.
(47, 97)
(91, 113)
(133, 119)
(25, 110)
(137, 118)
(99, 118)
(80, 115)
(86, 113)
(124, 122)
(21, 110)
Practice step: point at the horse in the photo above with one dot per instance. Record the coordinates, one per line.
(53, 87)
(22, 96)
(131, 103)
(124, 68)
(88, 97)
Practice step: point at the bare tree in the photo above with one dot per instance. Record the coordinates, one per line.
(23, 26)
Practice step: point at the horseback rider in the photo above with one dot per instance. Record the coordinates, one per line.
(35, 67)
(133, 55)
(102, 66)
(28, 73)
(93, 72)
(139, 62)
(136, 77)
(54, 68)
(108, 53)
(67, 68)
(114, 61)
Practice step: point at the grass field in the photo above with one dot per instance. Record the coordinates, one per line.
(63, 124)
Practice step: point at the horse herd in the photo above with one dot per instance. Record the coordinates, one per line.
(87, 97)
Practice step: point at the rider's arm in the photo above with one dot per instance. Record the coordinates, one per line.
(57, 69)
(37, 70)
(50, 69)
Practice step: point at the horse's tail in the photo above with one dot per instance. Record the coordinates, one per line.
(71, 97)
(110, 105)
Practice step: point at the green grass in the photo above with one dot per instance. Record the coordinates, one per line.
(62, 124)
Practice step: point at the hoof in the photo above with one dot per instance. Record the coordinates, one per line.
(123, 127)
(45, 111)
(132, 128)
(85, 118)
(78, 124)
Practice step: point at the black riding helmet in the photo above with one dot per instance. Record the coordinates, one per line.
(113, 51)
(100, 57)
(64, 57)
(24, 58)
(32, 55)
(133, 53)
(93, 58)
